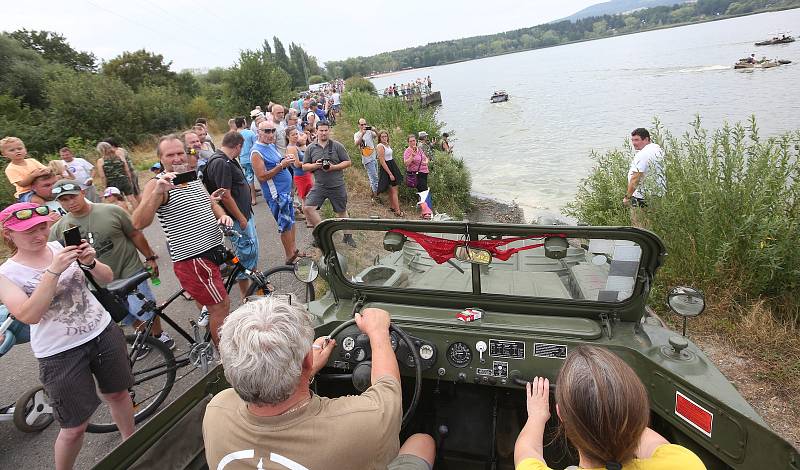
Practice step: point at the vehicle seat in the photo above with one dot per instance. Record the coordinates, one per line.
(123, 287)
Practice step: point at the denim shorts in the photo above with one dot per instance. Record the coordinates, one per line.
(247, 246)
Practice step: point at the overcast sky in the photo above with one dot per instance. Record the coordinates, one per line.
(201, 33)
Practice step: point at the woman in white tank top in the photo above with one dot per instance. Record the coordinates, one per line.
(390, 175)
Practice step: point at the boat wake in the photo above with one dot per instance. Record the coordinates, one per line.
(706, 68)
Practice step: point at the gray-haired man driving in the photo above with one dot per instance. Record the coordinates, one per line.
(270, 418)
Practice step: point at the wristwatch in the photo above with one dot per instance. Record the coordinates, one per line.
(151, 258)
(89, 266)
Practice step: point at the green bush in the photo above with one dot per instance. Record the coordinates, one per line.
(158, 109)
(359, 84)
(199, 107)
(314, 79)
(730, 215)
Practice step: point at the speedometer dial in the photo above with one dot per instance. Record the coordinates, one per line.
(459, 354)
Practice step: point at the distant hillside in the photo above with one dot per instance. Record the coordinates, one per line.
(614, 7)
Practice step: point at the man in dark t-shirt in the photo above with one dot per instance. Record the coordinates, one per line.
(224, 172)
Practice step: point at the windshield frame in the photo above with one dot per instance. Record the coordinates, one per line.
(653, 253)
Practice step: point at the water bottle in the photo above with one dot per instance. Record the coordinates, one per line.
(202, 320)
(153, 278)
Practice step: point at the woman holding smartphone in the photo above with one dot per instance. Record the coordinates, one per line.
(72, 335)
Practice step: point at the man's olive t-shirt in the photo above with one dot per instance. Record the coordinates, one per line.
(355, 433)
(107, 227)
(333, 151)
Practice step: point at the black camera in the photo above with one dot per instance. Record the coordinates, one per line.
(326, 164)
(369, 128)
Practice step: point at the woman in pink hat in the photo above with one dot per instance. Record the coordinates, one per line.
(72, 335)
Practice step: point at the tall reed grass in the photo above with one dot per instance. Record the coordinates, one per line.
(729, 215)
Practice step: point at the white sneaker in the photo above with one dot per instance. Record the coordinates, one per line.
(167, 340)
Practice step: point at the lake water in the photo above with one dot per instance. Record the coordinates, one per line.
(567, 101)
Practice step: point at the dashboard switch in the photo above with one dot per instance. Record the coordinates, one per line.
(480, 346)
(462, 377)
(441, 371)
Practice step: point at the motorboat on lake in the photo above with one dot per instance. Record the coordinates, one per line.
(776, 40)
(499, 96)
(760, 64)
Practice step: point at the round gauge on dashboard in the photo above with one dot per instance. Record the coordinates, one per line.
(459, 354)
(426, 352)
(348, 343)
(359, 354)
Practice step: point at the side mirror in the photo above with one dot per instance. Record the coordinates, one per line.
(472, 255)
(687, 302)
(393, 241)
(555, 247)
(306, 270)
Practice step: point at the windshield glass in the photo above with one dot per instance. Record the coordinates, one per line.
(541, 265)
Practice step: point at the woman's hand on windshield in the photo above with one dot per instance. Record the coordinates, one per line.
(537, 394)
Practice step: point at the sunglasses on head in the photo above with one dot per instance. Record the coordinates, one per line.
(65, 187)
(267, 131)
(25, 214)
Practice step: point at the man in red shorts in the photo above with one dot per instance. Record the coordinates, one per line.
(190, 219)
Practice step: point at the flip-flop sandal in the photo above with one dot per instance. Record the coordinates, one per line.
(398, 214)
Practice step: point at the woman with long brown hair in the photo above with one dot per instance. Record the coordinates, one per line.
(604, 413)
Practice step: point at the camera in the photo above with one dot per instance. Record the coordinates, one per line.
(326, 164)
(369, 128)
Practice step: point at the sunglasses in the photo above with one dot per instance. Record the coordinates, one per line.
(25, 214)
(65, 187)
(267, 131)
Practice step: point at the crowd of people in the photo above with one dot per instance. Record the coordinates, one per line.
(419, 87)
(284, 153)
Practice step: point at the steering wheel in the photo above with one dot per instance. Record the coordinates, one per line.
(361, 375)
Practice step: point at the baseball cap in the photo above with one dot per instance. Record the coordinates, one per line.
(111, 190)
(254, 113)
(422, 134)
(13, 223)
(156, 166)
(66, 186)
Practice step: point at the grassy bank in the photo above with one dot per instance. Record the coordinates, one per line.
(730, 219)
(449, 179)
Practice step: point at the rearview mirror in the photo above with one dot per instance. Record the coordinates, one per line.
(472, 255)
(306, 270)
(687, 302)
(555, 247)
(393, 241)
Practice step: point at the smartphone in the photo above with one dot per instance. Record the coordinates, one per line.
(72, 236)
(369, 128)
(183, 178)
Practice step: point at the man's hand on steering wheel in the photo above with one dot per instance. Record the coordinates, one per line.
(374, 322)
(321, 352)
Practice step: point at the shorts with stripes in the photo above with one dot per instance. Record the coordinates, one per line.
(201, 279)
(69, 376)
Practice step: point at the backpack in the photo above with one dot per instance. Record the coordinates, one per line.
(204, 177)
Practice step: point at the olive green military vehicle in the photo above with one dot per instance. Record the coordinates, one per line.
(479, 309)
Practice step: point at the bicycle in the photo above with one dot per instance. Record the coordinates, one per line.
(155, 367)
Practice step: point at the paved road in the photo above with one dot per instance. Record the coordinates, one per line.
(19, 370)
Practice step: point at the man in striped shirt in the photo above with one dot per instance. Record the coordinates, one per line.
(190, 219)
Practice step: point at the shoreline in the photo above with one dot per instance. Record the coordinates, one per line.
(566, 43)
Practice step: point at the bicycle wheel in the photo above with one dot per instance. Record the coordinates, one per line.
(282, 280)
(153, 377)
(32, 413)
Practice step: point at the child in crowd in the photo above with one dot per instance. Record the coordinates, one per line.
(59, 168)
(21, 170)
(114, 196)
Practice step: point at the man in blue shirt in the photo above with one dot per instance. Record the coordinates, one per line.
(272, 171)
(244, 156)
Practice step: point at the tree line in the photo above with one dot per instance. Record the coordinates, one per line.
(546, 35)
(50, 92)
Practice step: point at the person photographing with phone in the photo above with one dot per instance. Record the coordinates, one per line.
(190, 218)
(365, 138)
(43, 285)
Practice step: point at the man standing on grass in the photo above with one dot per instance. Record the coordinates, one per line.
(327, 159)
(365, 139)
(648, 159)
(223, 172)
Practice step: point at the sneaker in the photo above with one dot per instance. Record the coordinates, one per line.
(202, 320)
(144, 350)
(348, 239)
(166, 340)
